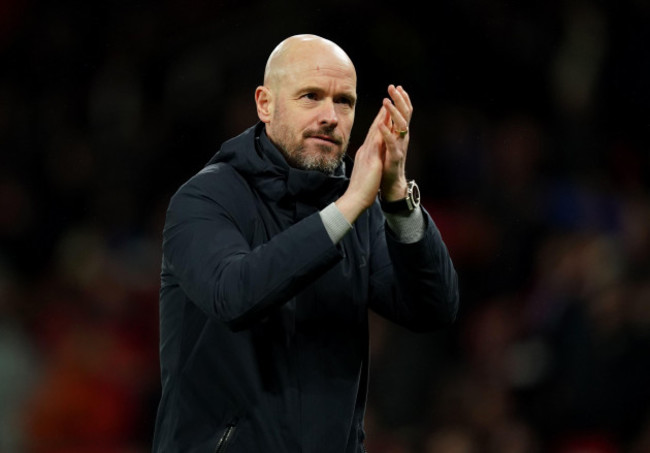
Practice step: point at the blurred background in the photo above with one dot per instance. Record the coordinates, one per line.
(530, 142)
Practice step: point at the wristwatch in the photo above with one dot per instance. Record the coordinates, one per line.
(405, 205)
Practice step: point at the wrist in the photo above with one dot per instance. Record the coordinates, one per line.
(350, 207)
(395, 191)
(404, 205)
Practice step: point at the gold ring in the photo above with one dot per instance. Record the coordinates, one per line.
(403, 133)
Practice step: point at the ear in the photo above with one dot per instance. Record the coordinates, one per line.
(264, 102)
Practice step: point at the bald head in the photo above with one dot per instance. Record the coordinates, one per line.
(308, 101)
(298, 51)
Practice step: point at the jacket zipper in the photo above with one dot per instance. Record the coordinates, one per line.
(225, 438)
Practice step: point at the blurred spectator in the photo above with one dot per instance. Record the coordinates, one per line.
(19, 365)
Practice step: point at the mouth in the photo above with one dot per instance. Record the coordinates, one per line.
(325, 138)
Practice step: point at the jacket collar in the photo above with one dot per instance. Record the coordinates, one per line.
(256, 158)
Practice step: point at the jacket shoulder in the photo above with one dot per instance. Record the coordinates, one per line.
(220, 197)
(217, 188)
(214, 181)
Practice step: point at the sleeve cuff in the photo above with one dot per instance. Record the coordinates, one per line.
(407, 228)
(335, 223)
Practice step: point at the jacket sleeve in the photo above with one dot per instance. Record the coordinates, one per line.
(414, 285)
(207, 253)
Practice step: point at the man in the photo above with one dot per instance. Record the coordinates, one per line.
(274, 253)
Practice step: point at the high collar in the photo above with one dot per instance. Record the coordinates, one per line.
(254, 156)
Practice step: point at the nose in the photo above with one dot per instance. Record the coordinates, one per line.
(328, 115)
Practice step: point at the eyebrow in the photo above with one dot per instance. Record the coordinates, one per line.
(315, 89)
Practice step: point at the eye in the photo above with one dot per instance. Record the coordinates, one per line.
(345, 100)
(310, 96)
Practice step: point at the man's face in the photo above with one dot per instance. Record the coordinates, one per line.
(313, 111)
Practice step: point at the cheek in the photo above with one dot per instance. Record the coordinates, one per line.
(347, 123)
(290, 120)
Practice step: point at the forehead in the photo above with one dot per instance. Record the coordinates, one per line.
(337, 77)
(315, 64)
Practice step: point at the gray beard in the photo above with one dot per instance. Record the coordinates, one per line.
(325, 162)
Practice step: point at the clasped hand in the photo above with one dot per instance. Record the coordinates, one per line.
(380, 161)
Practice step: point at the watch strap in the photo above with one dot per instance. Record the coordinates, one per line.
(403, 205)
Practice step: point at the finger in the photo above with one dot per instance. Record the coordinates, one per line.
(391, 140)
(406, 97)
(400, 123)
(394, 154)
(382, 117)
(388, 136)
(401, 100)
(400, 96)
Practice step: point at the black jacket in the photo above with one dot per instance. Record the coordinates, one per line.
(264, 322)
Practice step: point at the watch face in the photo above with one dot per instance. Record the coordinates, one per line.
(415, 194)
(405, 205)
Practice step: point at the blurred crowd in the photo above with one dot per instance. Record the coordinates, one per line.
(530, 142)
